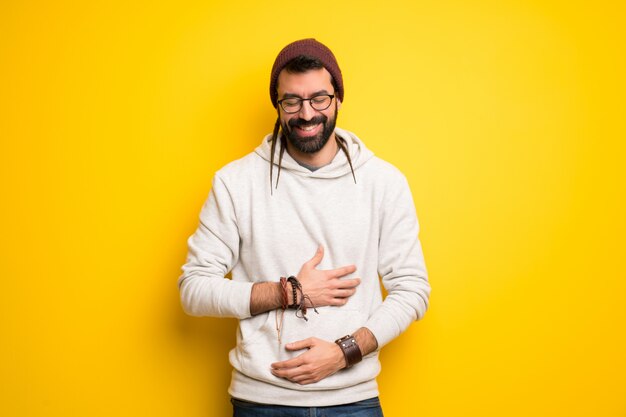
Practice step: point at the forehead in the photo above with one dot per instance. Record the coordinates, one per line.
(304, 83)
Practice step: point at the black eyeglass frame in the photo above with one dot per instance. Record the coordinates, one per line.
(302, 100)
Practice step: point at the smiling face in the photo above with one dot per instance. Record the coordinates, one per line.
(307, 130)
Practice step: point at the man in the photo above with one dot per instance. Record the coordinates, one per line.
(310, 340)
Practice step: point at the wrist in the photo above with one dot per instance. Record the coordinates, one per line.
(291, 299)
(366, 340)
(350, 349)
(280, 296)
(289, 296)
(295, 284)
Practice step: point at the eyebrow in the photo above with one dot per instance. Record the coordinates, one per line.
(317, 93)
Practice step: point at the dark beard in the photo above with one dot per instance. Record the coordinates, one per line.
(311, 144)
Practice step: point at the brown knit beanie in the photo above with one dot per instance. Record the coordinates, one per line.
(312, 48)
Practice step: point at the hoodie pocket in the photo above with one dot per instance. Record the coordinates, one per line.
(255, 354)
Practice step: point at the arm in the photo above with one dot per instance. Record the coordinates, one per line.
(324, 287)
(400, 265)
(214, 249)
(322, 358)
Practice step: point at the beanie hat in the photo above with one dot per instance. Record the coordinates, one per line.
(308, 47)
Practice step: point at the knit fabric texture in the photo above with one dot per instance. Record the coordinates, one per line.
(307, 47)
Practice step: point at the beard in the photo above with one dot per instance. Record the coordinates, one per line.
(309, 144)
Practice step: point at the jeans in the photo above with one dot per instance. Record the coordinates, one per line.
(365, 408)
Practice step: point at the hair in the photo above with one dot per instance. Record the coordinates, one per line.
(304, 63)
(298, 65)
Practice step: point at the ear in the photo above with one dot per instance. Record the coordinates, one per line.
(338, 104)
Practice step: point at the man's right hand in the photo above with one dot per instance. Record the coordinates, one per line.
(325, 287)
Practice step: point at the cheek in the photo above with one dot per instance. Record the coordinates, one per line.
(286, 118)
(284, 122)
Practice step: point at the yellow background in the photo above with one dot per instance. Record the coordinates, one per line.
(507, 117)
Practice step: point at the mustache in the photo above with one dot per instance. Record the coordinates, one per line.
(304, 123)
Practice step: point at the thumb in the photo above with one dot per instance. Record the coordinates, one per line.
(317, 258)
(300, 344)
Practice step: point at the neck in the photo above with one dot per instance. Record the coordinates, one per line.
(318, 159)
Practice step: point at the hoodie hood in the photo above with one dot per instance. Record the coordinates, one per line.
(338, 167)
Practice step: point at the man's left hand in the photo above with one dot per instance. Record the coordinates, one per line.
(321, 360)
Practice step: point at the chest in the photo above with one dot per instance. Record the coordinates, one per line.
(306, 212)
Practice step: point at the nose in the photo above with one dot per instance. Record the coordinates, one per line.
(307, 112)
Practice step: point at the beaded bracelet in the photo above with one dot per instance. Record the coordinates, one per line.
(301, 307)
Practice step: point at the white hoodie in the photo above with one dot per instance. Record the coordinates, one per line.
(260, 236)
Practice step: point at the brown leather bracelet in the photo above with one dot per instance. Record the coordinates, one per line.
(285, 297)
(350, 349)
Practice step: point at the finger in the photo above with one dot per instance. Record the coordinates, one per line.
(283, 373)
(302, 379)
(305, 381)
(292, 374)
(317, 258)
(345, 284)
(288, 364)
(338, 301)
(300, 344)
(340, 293)
(344, 270)
(305, 378)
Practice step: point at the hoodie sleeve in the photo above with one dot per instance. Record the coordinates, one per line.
(401, 266)
(213, 250)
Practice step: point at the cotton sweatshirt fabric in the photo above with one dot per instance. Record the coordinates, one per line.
(259, 235)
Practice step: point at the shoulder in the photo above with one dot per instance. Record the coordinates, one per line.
(240, 170)
(383, 171)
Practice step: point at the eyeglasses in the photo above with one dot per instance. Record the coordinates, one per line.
(294, 104)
